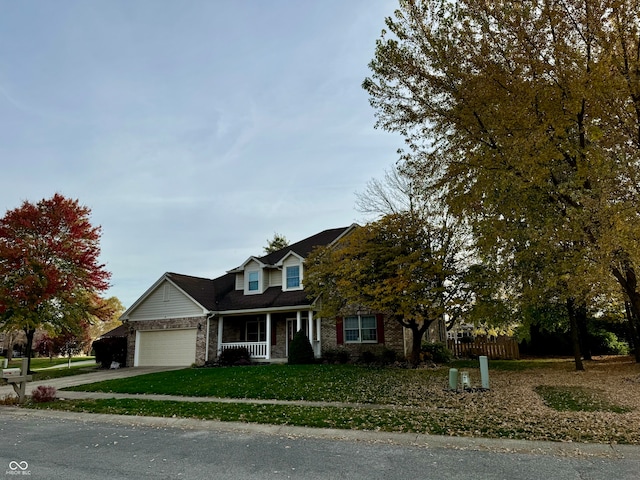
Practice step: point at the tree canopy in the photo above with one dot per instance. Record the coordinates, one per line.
(278, 242)
(527, 115)
(50, 272)
(399, 265)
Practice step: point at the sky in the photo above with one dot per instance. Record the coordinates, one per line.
(193, 130)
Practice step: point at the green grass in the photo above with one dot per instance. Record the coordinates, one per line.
(577, 399)
(331, 383)
(44, 362)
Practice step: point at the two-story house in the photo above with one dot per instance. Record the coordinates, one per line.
(185, 320)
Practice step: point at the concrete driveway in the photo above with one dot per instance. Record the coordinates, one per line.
(91, 377)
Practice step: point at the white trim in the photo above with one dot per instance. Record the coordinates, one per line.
(290, 308)
(268, 339)
(136, 354)
(242, 266)
(287, 255)
(220, 329)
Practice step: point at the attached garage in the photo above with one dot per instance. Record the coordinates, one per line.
(160, 348)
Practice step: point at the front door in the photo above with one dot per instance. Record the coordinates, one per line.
(292, 328)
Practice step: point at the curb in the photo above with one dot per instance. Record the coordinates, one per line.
(536, 447)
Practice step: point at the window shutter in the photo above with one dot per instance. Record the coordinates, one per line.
(339, 331)
(380, 327)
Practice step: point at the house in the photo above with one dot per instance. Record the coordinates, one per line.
(183, 320)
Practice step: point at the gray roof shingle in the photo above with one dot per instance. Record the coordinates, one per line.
(220, 294)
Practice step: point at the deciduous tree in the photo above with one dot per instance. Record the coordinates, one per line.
(398, 265)
(528, 115)
(50, 273)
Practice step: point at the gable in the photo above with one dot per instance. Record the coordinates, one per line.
(164, 300)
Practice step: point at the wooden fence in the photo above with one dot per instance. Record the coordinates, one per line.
(500, 349)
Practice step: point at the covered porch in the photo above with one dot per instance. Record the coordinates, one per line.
(267, 334)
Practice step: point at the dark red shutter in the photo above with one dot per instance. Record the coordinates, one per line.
(339, 331)
(380, 325)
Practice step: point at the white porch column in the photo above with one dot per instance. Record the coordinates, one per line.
(220, 321)
(299, 321)
(268, 335)
(318, 335)
(310, 327)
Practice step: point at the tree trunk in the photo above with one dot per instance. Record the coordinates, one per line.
(416, 345)
(627, 279)
(575, 335)
(632, 325)
(30, 334)
(581, 319)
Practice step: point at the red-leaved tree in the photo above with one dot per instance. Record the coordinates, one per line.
(50, 272)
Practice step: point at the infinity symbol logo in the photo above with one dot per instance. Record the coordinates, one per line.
(13, 465)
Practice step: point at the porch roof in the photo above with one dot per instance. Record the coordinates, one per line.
(273, 297)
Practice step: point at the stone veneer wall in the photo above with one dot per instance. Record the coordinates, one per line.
(169, 324)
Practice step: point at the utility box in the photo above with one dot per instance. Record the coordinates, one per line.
(10, 372)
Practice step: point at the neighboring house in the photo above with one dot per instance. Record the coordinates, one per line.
(183, 320)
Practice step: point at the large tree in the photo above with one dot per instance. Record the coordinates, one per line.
(528, 115)
(400, 265)
(50, 272)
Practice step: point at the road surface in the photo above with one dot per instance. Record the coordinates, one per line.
(37, 446)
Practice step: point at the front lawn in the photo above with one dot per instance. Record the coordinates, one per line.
(328, 383)
(522, 403)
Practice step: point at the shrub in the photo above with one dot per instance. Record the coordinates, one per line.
(368, 357)
(336, 355)
(235, 356)
(437, 352)
(388, 356)
(607, 343)
(43, 393)
(109, 350)
(9, 400)
(300, 350)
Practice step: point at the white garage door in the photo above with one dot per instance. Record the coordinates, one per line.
(167, 348)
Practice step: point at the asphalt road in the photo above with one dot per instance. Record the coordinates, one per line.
(89, 447)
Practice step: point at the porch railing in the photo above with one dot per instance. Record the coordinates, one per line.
(256, 349)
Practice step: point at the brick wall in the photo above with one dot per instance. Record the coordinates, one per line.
(393, 338)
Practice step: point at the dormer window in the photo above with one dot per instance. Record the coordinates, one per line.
(254, 283)
(293, 276)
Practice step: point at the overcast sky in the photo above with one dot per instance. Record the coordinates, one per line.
(194, 130)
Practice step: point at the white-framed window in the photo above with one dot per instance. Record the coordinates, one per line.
(360, 329)
(293, 276)
(254, 281)
(256, 331)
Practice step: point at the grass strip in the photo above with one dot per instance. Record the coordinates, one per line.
(577, 399)
(435, 421)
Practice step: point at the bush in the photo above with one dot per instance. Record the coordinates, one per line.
(336, 355)
(300, 350)
(109, 350)
(437, 352)
(607, 343)
(235, 356)
(368, 357)
(388, 356)
(380, 356)
(43, 393)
